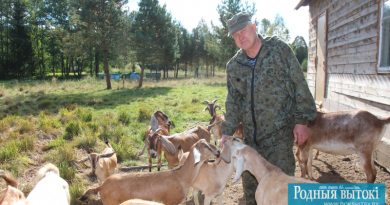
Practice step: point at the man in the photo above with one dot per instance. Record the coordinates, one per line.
(268, 93)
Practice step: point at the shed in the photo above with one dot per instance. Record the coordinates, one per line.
(349, 58)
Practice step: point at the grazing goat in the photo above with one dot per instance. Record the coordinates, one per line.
(104, 164)
(216, 119)
(169, 144)
(50, 189)
(213, 177)
(167, 187)
(140, 202)
(158, 121)
(10, 195)
(273, 182)
(344, 133)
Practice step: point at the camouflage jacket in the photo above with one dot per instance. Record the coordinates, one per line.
(280, 92)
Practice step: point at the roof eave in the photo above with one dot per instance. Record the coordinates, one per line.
(302, 3)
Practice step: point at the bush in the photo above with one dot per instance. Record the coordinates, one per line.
(304, 65)
(46, 124)
(124, 117)
(143, 115)
(87, 141)
(72, 129)
(4, 126)
(76, 190)
(66, 154)
(66, 172)
(26, 142)
(25, 126)
(9, 151)
(124, 150)
(54, 144)
(44, 104)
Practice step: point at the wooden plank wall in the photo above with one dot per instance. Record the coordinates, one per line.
(351, 56)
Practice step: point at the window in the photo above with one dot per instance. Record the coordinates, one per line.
(384, 45)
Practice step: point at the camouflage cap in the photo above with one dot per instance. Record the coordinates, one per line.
(237, 22)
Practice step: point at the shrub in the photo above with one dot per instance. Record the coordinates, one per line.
(26, 142)
(66, 172)
(124, 150)
(46, 124)
(124, 117)
(44, 104)
(143, 115)
(76, 190)
(54, 144)
(9, 151)
(72, 129)
(94, 126)
(25, 126)
(66, 154)
(304, 65)
(66, 115)
(4, 126)
(87, 141)
(84, 115)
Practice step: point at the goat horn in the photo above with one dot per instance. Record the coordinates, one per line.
(215, 100)
(206, 108)
(158, 130)
(84, 160)
(207, 101)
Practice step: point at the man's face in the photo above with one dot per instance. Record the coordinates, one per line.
(245, 38)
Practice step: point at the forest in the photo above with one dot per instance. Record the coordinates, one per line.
(67, 39)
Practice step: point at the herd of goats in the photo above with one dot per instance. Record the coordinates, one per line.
(339, 133)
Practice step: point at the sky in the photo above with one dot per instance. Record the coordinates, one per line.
(190, 12)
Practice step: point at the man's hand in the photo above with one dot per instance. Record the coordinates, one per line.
(300, 134)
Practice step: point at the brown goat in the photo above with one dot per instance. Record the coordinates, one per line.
(344, 133)
(11, 194)
(167, 187)
(160, 121)
(216, 119)
(170, 144)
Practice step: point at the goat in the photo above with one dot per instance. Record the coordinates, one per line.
(344, 133)
(169, 144)
(50, 189)
(160, 121)
(104, 164)
(216, 119)
(11, 194)
(140, 202)
(273, 182)
(167, 187)
(212, 177)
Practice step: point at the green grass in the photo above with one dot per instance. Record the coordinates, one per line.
(55, 121)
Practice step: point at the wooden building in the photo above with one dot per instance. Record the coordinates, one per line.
(349, 58)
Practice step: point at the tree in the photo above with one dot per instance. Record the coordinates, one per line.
(264, 26)
(100, 23)
(300, 48)
(279, 29)
(226, 10)
(144, 31)
(21, 46)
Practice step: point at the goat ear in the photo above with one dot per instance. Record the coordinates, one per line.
(84, 160)
(153, 123)
(239, 164)
(106, 155)
(180, 154)
(239, 132)
(168, 145)
(206, 108)
(196, 156)
(225, 154)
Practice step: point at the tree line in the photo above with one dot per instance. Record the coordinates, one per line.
(63, 38)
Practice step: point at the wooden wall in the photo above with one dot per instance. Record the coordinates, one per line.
(351, 62)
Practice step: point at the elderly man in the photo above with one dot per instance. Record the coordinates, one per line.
(268, 93)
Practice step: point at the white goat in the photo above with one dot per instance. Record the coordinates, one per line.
(213, 177)
(167, 187)
(273, 182)
(344, 133)
(104, 164)
(140, 202)
(50, 189)
(10, 195)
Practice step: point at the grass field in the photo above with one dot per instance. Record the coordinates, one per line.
(59, 121)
